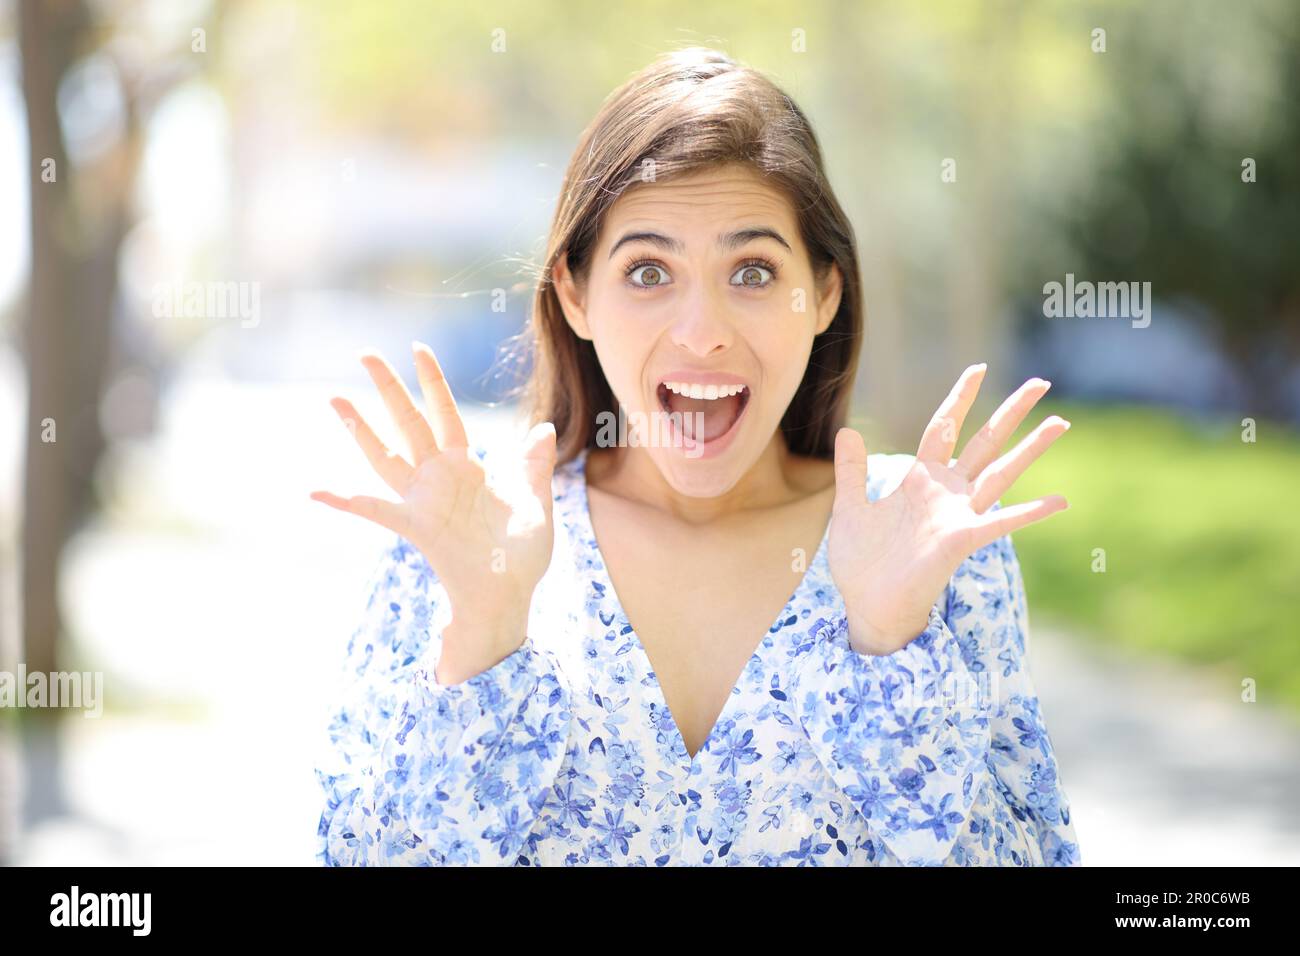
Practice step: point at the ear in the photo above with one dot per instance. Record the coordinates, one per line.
(828, 302)
(572, 297)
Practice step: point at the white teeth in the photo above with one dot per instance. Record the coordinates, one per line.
(703, 391)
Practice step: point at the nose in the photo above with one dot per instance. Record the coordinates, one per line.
(702, 326)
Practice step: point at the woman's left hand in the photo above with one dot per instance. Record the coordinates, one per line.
(892, 558)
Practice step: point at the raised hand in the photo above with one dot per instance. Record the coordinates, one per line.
(892, 558)
(489, 545)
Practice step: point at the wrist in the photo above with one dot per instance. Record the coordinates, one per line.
(868, 646)
(873, 642)
(475, 640)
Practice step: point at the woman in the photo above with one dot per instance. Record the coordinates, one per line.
(671, 679)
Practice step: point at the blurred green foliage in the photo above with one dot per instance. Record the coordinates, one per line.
(1200, 532)
(1193, 183)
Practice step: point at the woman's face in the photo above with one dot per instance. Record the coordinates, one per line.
(702, 307)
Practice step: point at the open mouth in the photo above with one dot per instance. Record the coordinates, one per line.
(720, 405)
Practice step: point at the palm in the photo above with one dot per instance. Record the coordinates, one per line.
(892, 558)
(488, 539)
(453, 507)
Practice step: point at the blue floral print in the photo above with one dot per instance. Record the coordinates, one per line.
(564, 753)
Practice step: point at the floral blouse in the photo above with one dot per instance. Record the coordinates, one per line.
(565, 753)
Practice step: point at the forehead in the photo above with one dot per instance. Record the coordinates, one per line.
(703, 200)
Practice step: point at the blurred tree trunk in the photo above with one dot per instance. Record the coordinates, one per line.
(79, 219)
(978, 322)
(10, 780)
(75, 238)
(881, 393)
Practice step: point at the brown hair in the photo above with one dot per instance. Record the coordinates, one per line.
(689, 110)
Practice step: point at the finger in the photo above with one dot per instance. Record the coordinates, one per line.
(850, 469)
(390, 466)
(1003, 521)
(988, 441)
(448, 429)
(539, 462)
(941, 434)
(408, 418)
(390, 515)
(999, 476)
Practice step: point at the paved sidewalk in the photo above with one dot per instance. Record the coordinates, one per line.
(1165, 766)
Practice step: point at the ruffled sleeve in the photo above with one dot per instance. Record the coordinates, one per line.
(1022, 759)
(913, 738)
(903, 735)
(420, 773)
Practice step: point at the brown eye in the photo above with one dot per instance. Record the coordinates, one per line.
(752, 276)
(651, 275)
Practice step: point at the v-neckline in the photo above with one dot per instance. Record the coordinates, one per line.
(736, 690)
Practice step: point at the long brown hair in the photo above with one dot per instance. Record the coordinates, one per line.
(688, 110)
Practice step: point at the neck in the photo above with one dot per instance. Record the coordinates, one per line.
(630, 472)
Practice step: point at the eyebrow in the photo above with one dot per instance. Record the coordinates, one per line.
(726, 241)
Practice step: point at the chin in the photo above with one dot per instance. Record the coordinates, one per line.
(698, 477)
(686, 482)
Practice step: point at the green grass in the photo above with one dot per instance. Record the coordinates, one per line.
(1201, 535)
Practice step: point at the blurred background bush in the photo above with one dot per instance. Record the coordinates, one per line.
(365, 174)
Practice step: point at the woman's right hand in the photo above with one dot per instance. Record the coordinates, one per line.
(488, 545)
